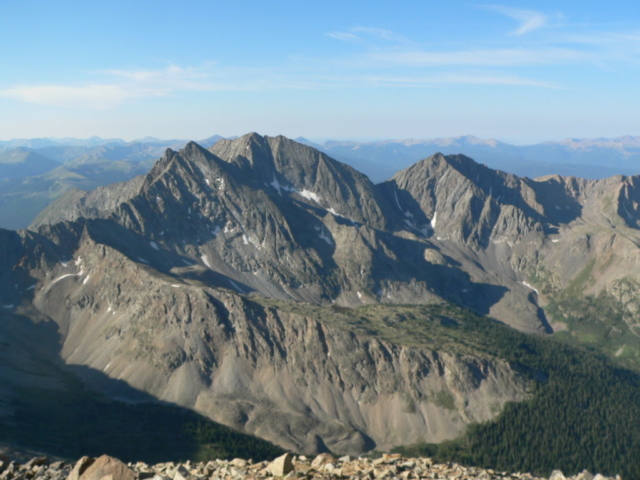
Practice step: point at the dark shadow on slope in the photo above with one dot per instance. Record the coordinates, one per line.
(402, 209)
(543, 320)
(447, 280)
(560, 207)
(53, 412)
(166, 261)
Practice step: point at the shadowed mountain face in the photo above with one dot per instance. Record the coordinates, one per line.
(217, 282)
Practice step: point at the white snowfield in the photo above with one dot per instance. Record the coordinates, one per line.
(531, 287)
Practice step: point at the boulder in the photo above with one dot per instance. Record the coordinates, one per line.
(80, 467)
(108, 466)
(281, 465)
(36, 462)
(557, 475)
(584, 475)
(322, 459)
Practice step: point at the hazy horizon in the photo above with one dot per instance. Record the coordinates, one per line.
(319, 140)
(520, 73)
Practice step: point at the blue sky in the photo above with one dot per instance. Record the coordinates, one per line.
(517, 71)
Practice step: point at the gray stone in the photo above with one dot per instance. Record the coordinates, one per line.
(80, 467)
(281, 465)
(108, 466)
(557, 475)
(36, 462)
(584, 475)
(322, 460)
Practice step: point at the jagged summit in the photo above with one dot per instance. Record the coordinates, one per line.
(288, 166)
(237, 209)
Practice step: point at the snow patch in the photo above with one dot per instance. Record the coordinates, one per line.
(325, 237)
(395, 193)
(555, 240)
(32, 287)
(245, 240)
(406, 214)
(236, 286)
(309, 195)
(7, 306)
(84, 282)
(424, 231)
(434, 219)
(276, 184)
(216, 231)
(175, 286)
(359, 294)
(333, 212)
(205, 260)
(208, 182)
(142, 260)
(531, 287)
(154, 245)
(79, 274)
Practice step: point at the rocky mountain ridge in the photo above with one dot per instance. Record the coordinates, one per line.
(199, 346)
(499, 228)
(225, 281)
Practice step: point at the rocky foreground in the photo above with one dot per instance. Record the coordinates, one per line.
(324, 466)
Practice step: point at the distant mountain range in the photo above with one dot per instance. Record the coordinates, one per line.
(31, 175)
(35, 172)
(589, 158)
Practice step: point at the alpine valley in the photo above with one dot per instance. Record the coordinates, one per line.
(263, 286)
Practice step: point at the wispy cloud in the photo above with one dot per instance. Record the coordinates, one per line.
(361, 34)
(85, 96)
(344, 36)
(512, 57)
(529, 20)
(381, 33)
(118, 86)
(460, 78)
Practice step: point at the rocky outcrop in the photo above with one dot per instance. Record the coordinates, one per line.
(388, 466)
(265, 368)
